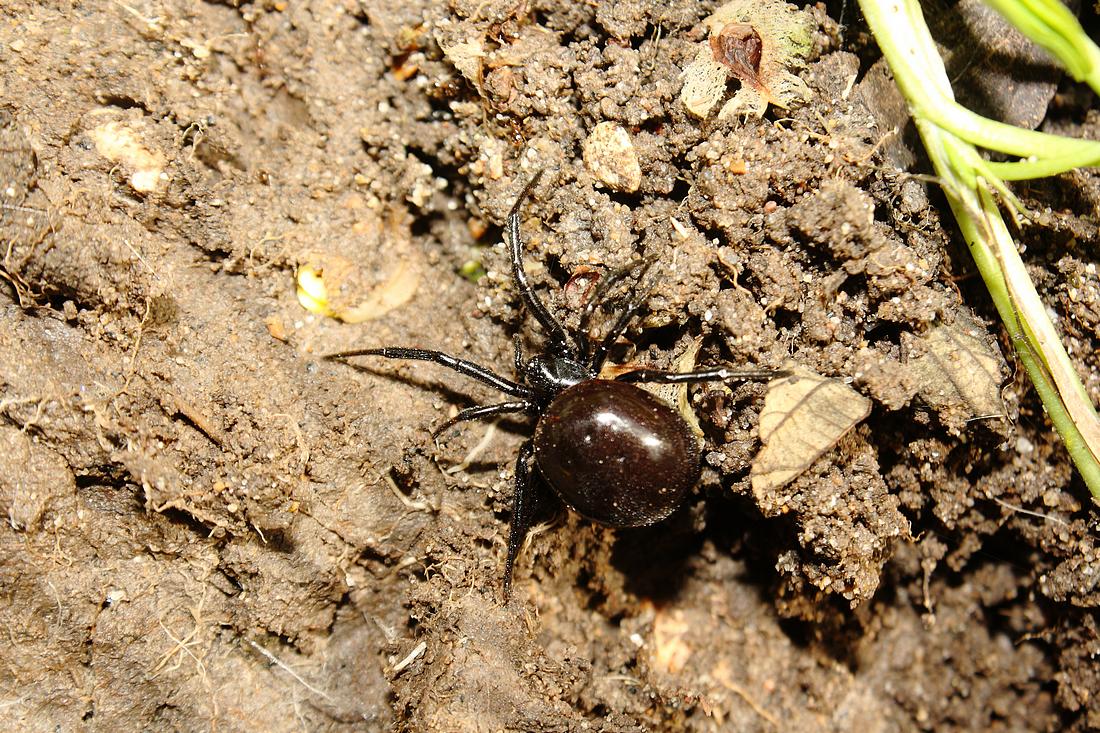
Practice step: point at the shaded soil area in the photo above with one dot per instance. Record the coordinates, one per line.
(208, 527)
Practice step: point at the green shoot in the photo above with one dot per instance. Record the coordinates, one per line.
(952, 135)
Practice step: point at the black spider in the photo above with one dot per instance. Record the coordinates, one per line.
(613, 452)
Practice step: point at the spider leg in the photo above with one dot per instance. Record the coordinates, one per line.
(605, 284)
(555, 332)
(599, 354)
(703, 375)
(598, 297)
(479, 411)
(522, 506)
(595, 301)
(468, 368)
(517, 347)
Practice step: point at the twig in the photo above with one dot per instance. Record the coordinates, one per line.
(722, 674)
(410, 658)
(477, 450)
(416, 506)
(283, 666)
(1021, 510)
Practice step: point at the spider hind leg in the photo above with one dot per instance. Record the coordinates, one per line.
(522, 511)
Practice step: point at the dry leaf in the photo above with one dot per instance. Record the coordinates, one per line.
(670, 652)
(674, 395)
(804, 415)
(757, 42)
(464, 46)
(958, 371)
(677, 394)
(334, 286)
(466, 56)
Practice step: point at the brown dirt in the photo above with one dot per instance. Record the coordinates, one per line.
(207, 527)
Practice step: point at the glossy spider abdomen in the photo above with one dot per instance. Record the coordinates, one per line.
(616, 453)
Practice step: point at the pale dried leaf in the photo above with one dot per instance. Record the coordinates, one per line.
(704, 83)
(395, 291)
(466, 56)
(686, 363)
(958, 370)
(670, 652)
(363, 275)
(335, 286)
(676, 395)
(804, 415)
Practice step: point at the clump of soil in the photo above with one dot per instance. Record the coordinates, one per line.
(209, 526)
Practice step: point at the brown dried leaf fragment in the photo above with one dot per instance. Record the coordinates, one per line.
(958, 370)
(738, 46)
(676, 395)
(757, 42)
(364, 276)
(804, 415)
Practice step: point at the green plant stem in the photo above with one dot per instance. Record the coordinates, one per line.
(1054, 27)
(981, 223)
(1022, 170)
(950, 133)
(922, 78)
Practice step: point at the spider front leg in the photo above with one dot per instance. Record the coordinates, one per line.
(599, 354)
(558, 342)
(462, 366)
(720, 374)
(598, 299)
(517, 348)
(522, 511)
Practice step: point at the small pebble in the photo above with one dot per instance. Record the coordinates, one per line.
(609, 154)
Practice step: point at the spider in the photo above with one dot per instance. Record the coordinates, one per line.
(613, 452)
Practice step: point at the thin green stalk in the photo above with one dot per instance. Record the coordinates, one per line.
(1055, 28)
(981, 223)
(1023, 170)
(950, 133)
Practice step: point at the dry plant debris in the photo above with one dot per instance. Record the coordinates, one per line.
(119, 144)
(756, 43)
(804, 415)
(958, 371)
(336, 282)
(610, 155)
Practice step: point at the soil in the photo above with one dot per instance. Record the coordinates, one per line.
(208, 527)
